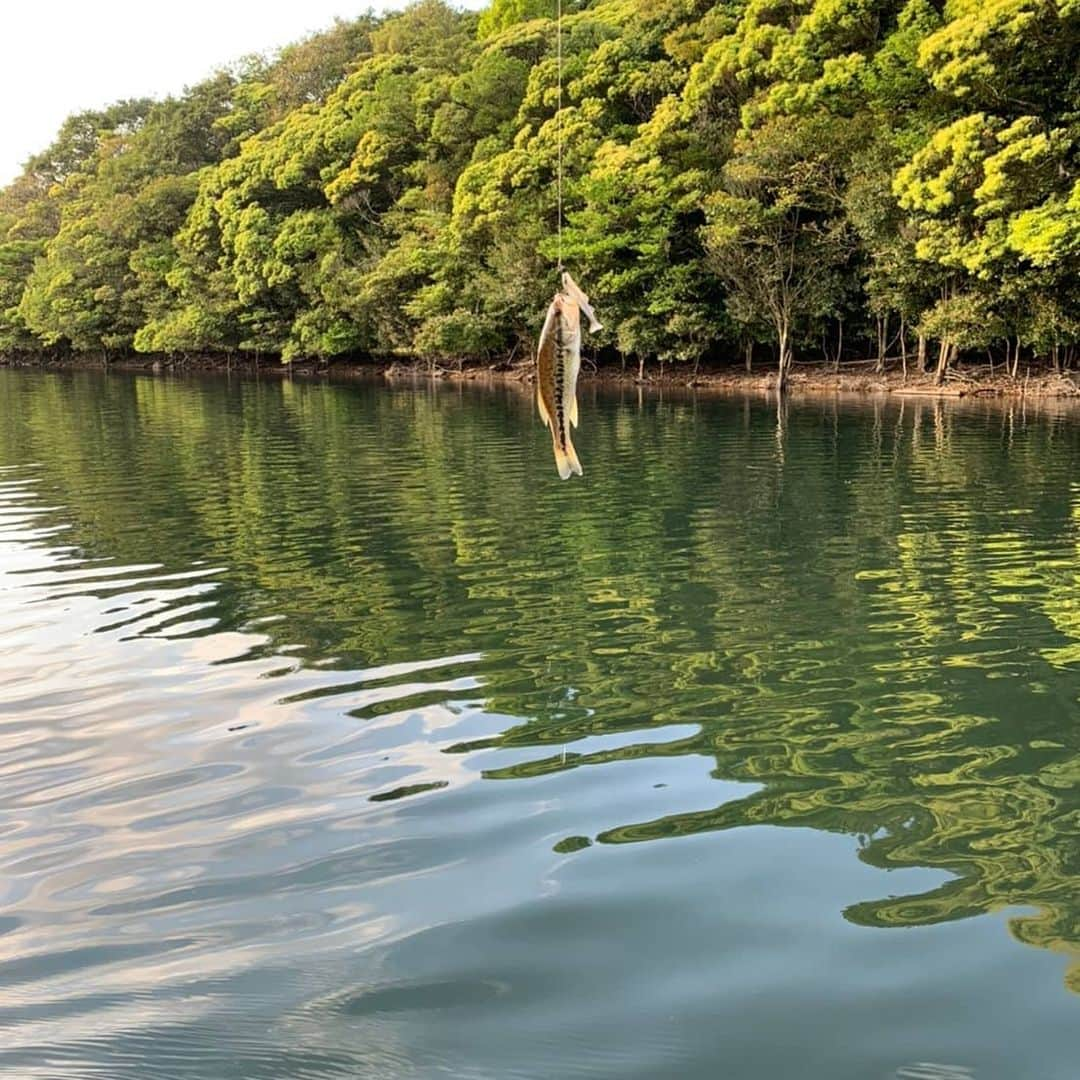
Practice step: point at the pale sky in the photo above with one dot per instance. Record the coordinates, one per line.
(62, 56)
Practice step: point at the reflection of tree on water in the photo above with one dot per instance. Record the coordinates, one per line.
(869, 749)
(869, 612)
(916, 791)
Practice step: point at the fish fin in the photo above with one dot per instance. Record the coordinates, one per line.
(571, 412)
(572, 458)
(545, 365)
(566, 461)
(573, 290)
(562, 463)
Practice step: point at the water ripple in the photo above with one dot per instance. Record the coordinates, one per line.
(349, 743)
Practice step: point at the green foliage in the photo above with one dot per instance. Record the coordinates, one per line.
(502, 14)
(749, 170)
(777, 234)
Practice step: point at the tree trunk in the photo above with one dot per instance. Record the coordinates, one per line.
(943, 363)
(882, 335)
(903, 347)
(641, 369)
(921, 356)
(839, 345)
(748, 354)
(785, 358)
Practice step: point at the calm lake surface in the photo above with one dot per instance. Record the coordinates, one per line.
(339, 738)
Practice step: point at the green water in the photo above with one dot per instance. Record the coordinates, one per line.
(339, 738)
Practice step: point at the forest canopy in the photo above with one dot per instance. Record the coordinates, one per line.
(850, 178)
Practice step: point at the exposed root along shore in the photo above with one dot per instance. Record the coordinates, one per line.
(851, 378)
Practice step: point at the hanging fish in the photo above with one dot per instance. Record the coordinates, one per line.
(558, 361)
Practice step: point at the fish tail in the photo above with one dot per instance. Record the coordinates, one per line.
(566, 459)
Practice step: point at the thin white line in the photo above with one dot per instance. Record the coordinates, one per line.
(558, 126)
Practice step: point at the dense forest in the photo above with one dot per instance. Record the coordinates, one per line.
(816, 178)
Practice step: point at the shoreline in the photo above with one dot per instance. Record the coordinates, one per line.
(853, 377)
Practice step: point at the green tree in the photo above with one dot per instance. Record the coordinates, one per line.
(812, 173)
(776, 233)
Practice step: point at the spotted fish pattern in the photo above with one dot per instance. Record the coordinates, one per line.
(558, 361)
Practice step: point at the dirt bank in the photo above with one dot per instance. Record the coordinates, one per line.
(851, 378)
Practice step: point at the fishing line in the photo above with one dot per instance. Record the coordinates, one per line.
(558, 126)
